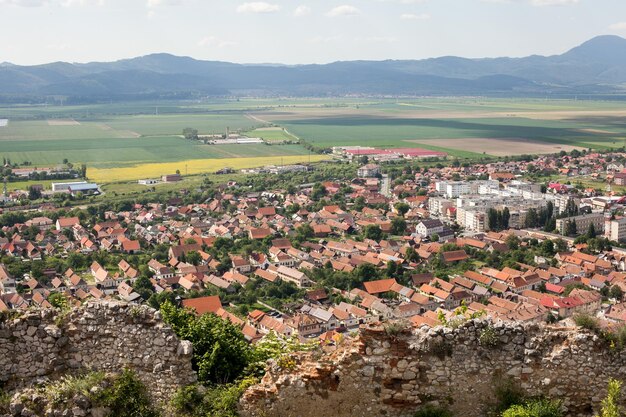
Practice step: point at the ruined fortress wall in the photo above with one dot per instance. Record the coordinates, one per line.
(390, 373)
(36, 345)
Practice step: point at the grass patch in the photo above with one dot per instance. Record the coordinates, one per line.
(68, 387)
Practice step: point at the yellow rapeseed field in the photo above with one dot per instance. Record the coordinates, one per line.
(192, 166)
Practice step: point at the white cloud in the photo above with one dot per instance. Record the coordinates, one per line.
(258, 7)
(413, 16)
(302, 11)
(345, 10)
(25, 3)
(157, 3)
(538, 3)
(380, 39)
(553, 2)
(59, 46)
(618, 26)
(404, 1)
(71, 3)
(325, 39)
(214, 41)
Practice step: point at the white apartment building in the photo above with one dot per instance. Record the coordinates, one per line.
(615, 229)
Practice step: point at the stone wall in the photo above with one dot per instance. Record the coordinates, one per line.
(40, 345)
(392, 373)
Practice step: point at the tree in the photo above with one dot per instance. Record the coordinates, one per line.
(144, 287)
(616, 292)
(190, 133)
(512, 242)
(34, 193)
(560, 245)
(505, 218)
(398, 226)
(570, 228)
(434, 237)
(193, 258)
(411, 255)
(402, 208)
(304, 232)
(373, 232)
(591, 233)
(220, 351)
(318, 192)
(610, 404)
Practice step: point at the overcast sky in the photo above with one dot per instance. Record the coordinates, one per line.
(299, 31)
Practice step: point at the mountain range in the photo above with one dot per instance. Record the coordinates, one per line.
(597, 67)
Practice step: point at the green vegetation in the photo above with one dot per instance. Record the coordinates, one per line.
(123, 395)
(151, 132)
(489, 337)
(65, 389)
(507, 393)
(127, 397)
(220, 351)
(610, 404)
(433, 411)
(536, 408)
(216, 401)
(225, 362)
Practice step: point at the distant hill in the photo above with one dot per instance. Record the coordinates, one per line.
(598, 66)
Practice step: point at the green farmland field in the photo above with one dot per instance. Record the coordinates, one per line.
(116, 135)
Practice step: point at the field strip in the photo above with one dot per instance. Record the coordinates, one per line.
(498, 146)
(566, 114)
(597, 131)
(104, 126)
(63, 122)
(193, 166)
(257, 119)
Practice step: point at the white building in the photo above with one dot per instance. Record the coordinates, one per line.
(615, 229)
(58, 187)
(149, 181)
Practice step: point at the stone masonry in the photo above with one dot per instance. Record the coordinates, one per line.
(387, 372)
(40, 345)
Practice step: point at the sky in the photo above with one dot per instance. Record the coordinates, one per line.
(299, 31)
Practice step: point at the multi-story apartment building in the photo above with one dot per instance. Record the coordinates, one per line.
(615, 229)
(583, 222)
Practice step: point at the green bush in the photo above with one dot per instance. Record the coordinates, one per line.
(610, 405)
(127, 397)
(587, 322)
(507, 393)
(432, 411)
(215, 401)
(488, 337)
(536, 408)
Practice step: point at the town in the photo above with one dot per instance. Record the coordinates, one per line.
(441, 241)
